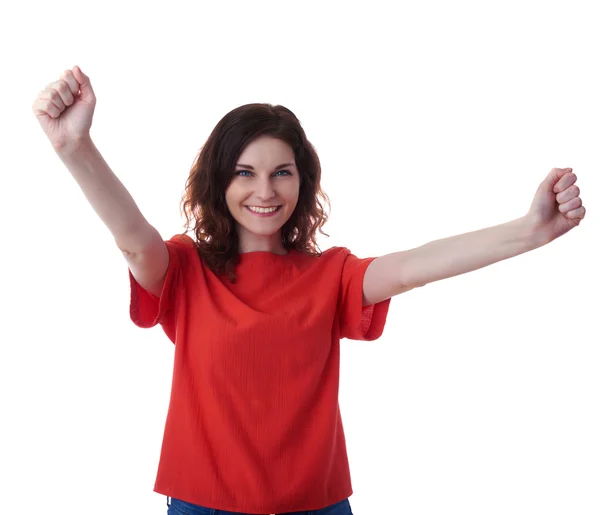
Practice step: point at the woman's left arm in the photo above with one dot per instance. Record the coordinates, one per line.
(555, 210)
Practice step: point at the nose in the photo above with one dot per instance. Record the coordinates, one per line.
(264, 189)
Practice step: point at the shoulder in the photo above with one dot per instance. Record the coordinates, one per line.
(342, 254)
(348, 261)
(183, 241)
(334, 257)
(335, 251)
(182, 249)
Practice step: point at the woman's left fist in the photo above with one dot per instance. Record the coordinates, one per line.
(556, 206)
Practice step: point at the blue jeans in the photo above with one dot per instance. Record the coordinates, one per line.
(177, 507)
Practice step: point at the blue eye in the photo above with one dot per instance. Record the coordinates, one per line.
(247, 171)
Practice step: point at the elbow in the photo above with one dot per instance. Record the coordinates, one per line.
(137, 240)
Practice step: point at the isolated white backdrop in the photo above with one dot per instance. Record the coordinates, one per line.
(432, 120)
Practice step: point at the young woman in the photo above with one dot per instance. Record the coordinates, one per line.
(256, 313)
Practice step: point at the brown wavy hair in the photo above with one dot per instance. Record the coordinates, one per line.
(203, 202)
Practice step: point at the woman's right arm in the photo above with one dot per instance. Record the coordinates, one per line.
(141, 244)
(65, 110)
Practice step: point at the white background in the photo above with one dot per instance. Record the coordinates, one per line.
(431, 119)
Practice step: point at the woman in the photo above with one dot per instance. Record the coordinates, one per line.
(256, 313)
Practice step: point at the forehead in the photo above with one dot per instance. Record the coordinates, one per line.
(266, 150)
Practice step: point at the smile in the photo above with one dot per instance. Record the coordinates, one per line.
(263, 214)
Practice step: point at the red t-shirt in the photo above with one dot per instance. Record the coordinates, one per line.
(254, 423)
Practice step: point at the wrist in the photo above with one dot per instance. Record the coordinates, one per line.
(75, 145)
(536, 236)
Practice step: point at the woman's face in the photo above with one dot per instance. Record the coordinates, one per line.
(260, 180)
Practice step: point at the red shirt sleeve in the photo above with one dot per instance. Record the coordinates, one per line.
(146, 309)
(358, 322)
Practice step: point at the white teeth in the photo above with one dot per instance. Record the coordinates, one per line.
(262, 210)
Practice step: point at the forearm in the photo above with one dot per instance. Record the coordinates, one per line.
(464, 253)
(105, 192)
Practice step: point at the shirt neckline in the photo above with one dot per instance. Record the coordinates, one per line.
(266, 253)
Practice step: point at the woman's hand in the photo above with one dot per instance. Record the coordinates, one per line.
(556, 207)
(65, 108)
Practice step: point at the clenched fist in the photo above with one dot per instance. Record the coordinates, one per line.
(65, 108)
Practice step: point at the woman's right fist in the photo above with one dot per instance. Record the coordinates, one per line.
(65, 108)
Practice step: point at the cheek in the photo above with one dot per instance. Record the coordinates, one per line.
(290, 190)
(231, 195)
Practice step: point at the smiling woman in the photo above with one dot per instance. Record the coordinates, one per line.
(257, 156)
(255, 312)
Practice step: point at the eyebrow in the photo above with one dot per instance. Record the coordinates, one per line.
(276, 168)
